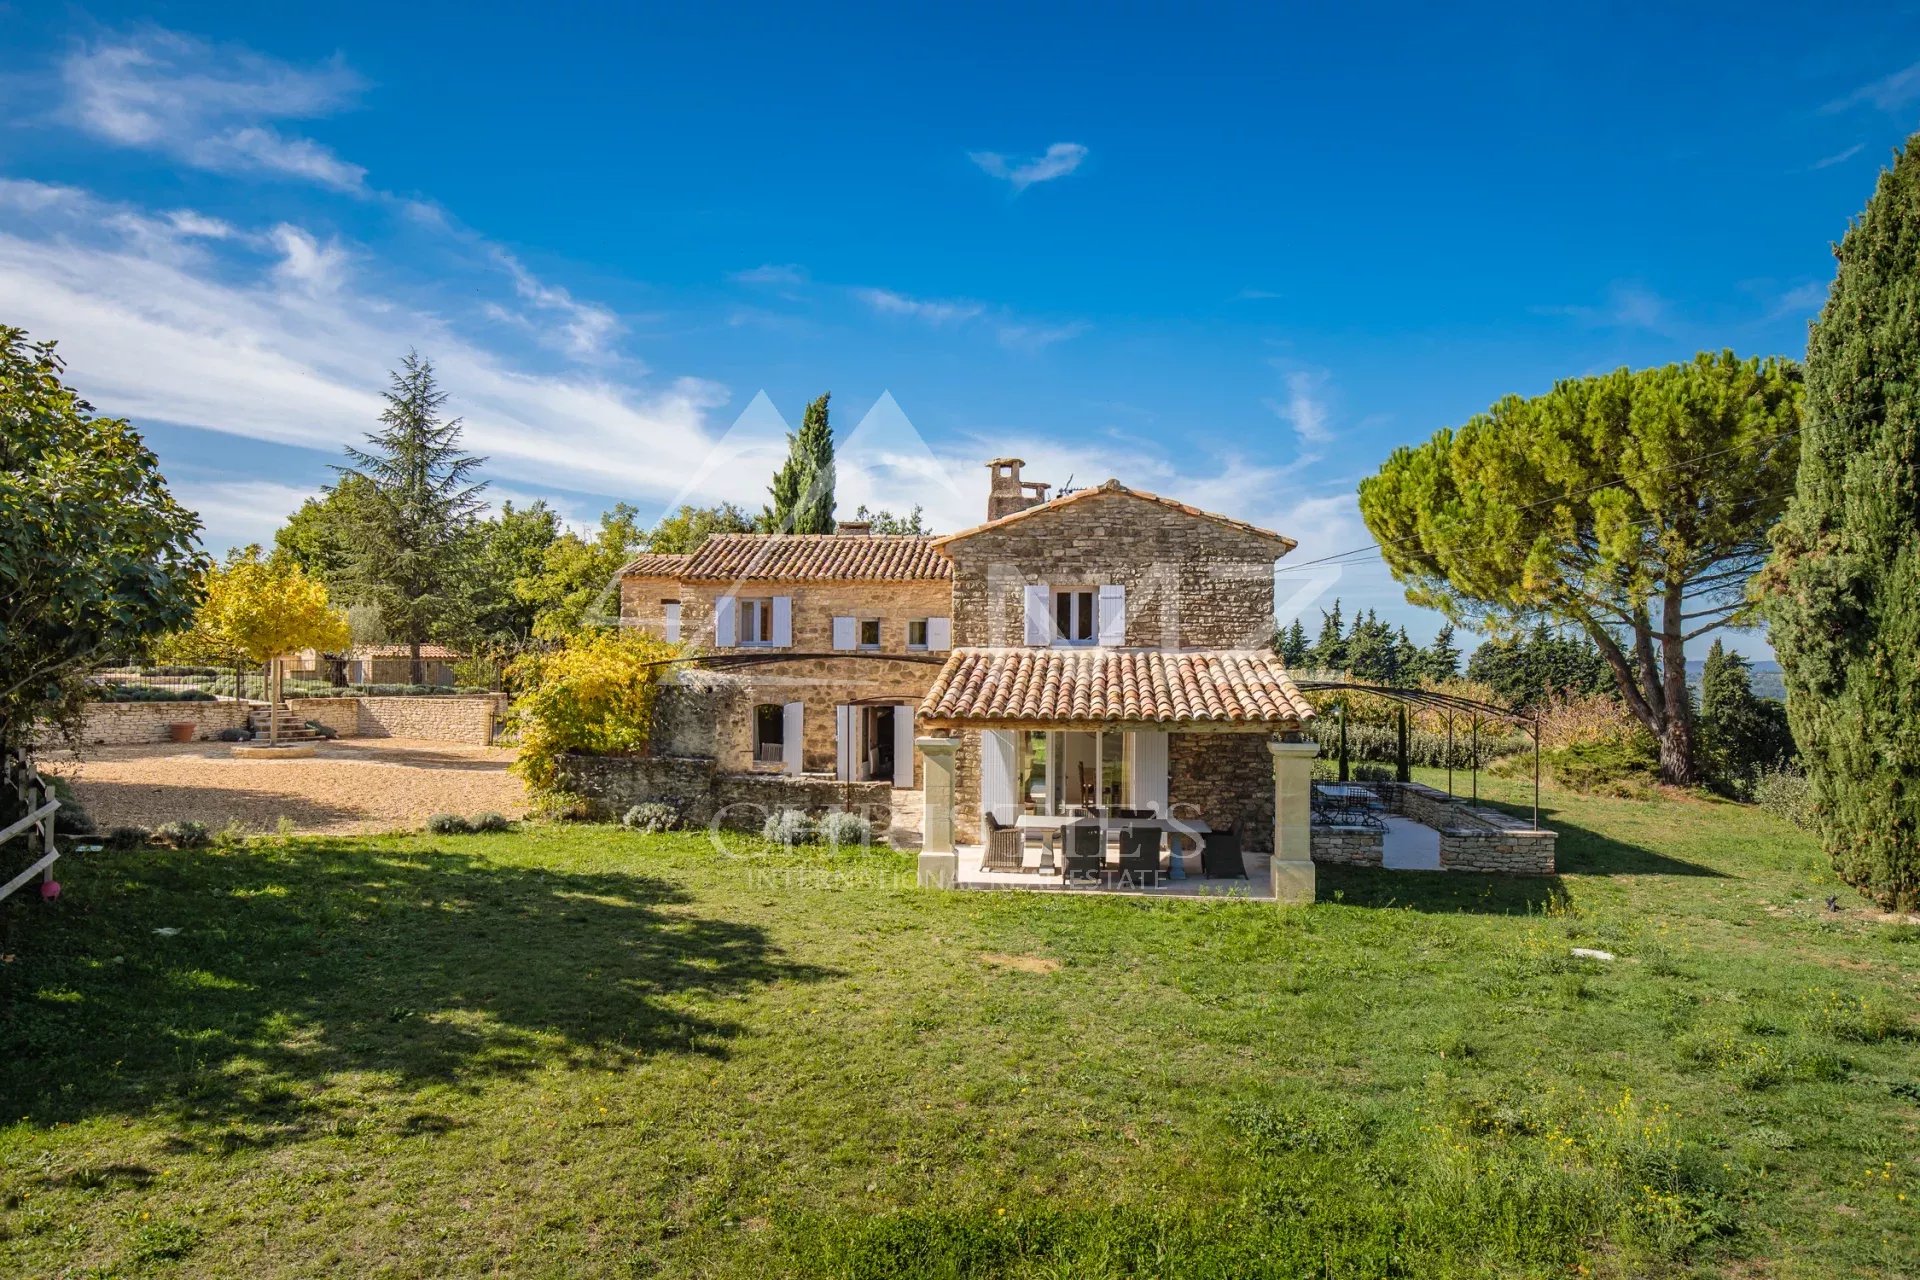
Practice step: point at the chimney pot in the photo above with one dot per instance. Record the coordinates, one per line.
(854, 528)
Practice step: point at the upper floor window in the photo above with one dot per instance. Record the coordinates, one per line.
(756, 621)
(916, 633)
(869, 633)
(1073, 614)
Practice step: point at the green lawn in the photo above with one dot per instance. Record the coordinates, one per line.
(575, 1051)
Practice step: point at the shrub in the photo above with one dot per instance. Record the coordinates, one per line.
(1619, 767)
(448, 824)
(183, 835)
(653, 816)
(125, 837)
(841, 829)
(1783, 792)
(324, 730)
(594, 696)
(116, 692)
(235, 735)
(787, 826)
(490, 822)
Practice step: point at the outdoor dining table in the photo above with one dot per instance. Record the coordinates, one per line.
(1050, 825)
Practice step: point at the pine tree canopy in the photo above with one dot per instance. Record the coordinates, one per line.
(1634, 506)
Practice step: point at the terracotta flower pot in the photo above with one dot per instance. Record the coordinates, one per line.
(181, 731)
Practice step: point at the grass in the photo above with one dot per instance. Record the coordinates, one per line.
(584, 1051)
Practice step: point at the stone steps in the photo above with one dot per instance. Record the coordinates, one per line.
(286, 726)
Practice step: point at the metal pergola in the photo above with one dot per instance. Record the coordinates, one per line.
(1451, 704)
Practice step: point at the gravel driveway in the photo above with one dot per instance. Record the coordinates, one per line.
(351, 785)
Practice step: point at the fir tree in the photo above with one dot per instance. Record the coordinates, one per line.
(1291, 645)
(1441, 661)
(1843, 590)
(1330, 650)
(802, 489)
(1740, 734)
(404, 551)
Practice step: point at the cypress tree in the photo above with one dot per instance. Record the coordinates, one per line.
(1291, 645)
(1330, 651)
(802, 489)
(1441, 661)
(1843, 589)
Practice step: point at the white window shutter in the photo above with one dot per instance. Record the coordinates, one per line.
(843, 633)
(1039, 617)
(1147, 771)
(791, 728)
(939, 634)
(843, 720)
(783, 622)
(1113, 616)
(998, 774)
(723, 610)
(903, 745)
(672, 609)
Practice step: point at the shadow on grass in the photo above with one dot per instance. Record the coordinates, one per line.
(293, 966)
(1438, 891)
(1586, 852)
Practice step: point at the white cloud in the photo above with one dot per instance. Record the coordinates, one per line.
(1629, 305)
(780, 275)
(1888, 93)
(238, 510)
(306, 263)
(253, 349)
(189, 223)
(209, 106)
(1304, 408)
(586, 328)
(1038, 337)
(1061, 159)
(1838, 157)
(929, 310)
(1801, 300)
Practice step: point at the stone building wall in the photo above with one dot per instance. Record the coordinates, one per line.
(125, 723)
(1224, 776)
(815, 606)
(1191, 582)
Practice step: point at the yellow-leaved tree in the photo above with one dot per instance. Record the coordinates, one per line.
(594, 696)
(260, 611)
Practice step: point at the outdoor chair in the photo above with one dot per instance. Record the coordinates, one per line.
(1085, 851)
(1140, 850)
(1220, 853)
(1006, 846)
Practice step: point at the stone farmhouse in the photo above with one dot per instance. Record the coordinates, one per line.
(1103, 646)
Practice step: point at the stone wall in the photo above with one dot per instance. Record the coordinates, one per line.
(702, 792)
(1191, 582)
(820, 685)
(1474, 839)
(124, 723)
(1349, 846)
(458, 718)
(815, 606)
(1224, 776)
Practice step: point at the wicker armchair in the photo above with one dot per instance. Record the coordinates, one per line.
(1085, 851)
(1140, 851)
(1006, 846)
(1220, 853)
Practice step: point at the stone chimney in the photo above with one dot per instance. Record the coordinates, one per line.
(854, 528)
(1008, 493)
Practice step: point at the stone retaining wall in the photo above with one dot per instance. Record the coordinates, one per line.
(1473, 839)
(1349, 846)
(701, 792)
(458, 718)
(115, 724)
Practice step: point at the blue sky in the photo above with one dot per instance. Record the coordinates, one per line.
(1235, 256)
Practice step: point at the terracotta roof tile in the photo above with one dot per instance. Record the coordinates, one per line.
(652, 565)
(817, 557)
(1115, 487)
(1228, 686)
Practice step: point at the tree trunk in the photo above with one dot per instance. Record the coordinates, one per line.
(273, 702)
(1676, 736)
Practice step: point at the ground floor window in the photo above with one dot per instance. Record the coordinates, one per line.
(769, 733)
(1067, 770)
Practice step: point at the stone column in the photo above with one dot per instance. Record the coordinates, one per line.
(1292, 865)
(939, 865)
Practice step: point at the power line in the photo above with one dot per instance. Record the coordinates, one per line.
(1351, 555)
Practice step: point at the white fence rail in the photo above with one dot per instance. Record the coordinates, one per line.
(35, 796)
